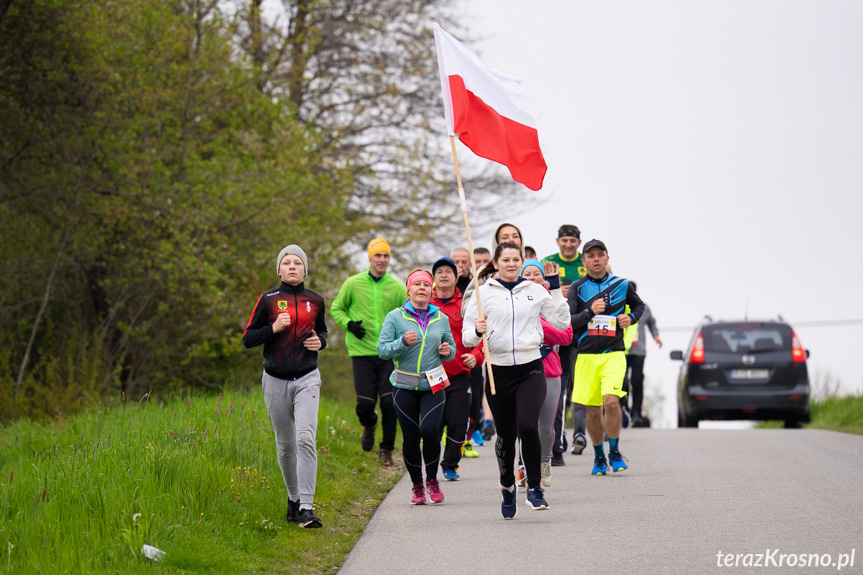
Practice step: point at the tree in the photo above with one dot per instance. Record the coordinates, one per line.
(363, 74)
(143, 164)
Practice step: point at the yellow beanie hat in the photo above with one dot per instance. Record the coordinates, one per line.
(377, 246)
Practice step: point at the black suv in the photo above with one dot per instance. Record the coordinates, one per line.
(743, 370)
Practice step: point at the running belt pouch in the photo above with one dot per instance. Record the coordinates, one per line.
(410, 379)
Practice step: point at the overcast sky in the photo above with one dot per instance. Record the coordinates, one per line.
(716, 148)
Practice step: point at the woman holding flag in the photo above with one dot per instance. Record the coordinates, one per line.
(417, 337)
(513, 307)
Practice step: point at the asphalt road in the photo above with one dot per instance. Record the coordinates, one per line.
(689, 495)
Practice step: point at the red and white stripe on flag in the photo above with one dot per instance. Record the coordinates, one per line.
(490, 111)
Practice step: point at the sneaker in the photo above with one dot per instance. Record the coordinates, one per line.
(469, 451)
(547, 473)
(600, 466)
(557, 460)
(419, 494)
(640, 422)
(386, 457)
(618, 461)
(578, 444)
(624, 417)
(367, 440)
(488, 430)
(536, 500)
(435, 494)
(521, 477)
(308, 519)
(508, 507)
(450, 475)
(477, 437)
(293, 514)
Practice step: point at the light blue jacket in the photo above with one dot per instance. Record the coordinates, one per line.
(412, 361)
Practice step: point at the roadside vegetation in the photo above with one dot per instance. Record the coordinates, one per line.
(194, 476)
(843, 414)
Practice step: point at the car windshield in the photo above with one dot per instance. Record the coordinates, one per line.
(747, 338)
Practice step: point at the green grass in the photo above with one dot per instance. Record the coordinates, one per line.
(196, 477)
(843, 414)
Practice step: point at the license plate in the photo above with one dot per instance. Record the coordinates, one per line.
(744, 374)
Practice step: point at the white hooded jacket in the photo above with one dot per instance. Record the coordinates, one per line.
(514, 330)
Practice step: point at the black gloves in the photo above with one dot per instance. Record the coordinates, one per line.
(355, 328)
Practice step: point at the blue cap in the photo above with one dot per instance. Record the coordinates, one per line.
(528, 263)
(445, 262)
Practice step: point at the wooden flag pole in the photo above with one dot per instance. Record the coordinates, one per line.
(472, 262)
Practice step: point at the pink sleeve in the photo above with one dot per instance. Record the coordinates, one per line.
(554, 336)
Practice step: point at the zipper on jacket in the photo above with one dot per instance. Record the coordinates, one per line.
(296, 316)
(512, 301)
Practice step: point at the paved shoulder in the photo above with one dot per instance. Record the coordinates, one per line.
(688, 496)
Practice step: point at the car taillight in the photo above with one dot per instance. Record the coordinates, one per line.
(798, 355)
(697, 353)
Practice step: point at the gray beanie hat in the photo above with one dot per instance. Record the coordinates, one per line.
(293, 250)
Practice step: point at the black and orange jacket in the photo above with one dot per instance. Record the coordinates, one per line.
(285, 357)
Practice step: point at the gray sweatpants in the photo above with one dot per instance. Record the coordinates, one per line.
(293, 410)
(547, 415)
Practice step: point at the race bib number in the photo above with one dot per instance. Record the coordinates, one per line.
(437, 379)
(604, 325)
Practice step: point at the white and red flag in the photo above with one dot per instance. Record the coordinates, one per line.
(490, 111)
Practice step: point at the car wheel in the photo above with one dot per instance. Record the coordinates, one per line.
(792, 424)
(684, 420)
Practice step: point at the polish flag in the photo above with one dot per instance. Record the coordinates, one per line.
(490, 111)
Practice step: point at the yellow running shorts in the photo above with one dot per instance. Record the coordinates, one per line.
(597, 375)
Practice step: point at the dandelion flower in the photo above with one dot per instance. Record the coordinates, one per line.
(135, 517)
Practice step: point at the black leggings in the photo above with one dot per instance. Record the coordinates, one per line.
(455, 419)
(372, 380)
(516, 406)
(476, 381)
(420, 414)
(636, 381)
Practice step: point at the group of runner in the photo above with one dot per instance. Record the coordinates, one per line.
(417, 351)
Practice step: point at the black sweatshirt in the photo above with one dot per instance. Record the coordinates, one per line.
(285, 357)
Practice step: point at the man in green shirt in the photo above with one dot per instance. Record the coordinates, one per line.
(571, 269)
(363, 302)
(568, 258)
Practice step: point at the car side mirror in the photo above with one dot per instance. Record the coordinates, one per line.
(807, 354)
(677, 354)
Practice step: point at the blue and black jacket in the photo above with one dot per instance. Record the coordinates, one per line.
(617, 293)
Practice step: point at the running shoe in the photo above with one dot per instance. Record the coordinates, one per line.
(450, 475)
(293, 514)
(433, 487)
(641, 422)
(386, 457)
(557, 460)
(477, 437)
(578, 444)
(488, 430)
(508, 507)
(600, 466)
(618, 461)
(624, 417)
(308, 519)
(547, 474)
(536, 499)
(419, 494)
(367, 440)
(521, 477)
(469, 451)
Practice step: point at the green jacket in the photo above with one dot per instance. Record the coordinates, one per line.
(361, 298)
(413, 360)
